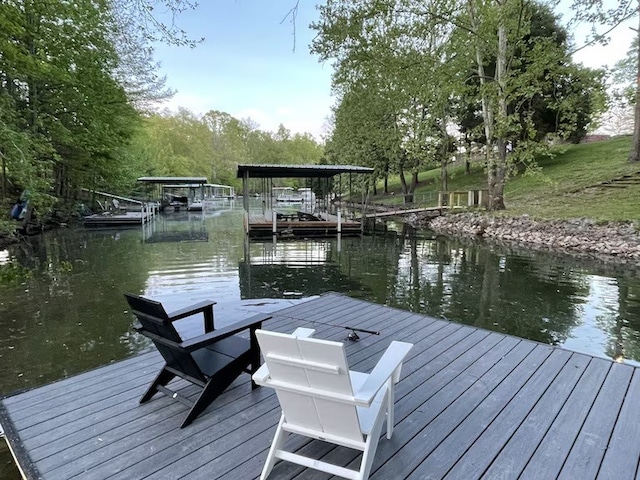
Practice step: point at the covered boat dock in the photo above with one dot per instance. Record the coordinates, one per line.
(308, 219)
(160, 185)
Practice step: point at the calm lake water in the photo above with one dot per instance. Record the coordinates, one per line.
(62, 309)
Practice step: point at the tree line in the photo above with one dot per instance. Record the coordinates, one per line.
(213, 144)
(421, 83)
(78, 93)
(417, 84)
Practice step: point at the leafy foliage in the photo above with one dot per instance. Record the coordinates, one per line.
(212, 145)
(74, 76)
(406, 71)
(12, 273)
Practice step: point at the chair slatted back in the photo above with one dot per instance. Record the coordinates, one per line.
(154, 319)
(319, 364)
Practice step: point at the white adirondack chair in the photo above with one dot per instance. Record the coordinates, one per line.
(322, 399)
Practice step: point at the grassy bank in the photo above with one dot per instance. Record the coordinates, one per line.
(569, 185)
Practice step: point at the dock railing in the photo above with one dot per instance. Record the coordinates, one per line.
(114, 203)
(463, 198)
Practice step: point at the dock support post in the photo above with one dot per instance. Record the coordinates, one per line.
(275, 222)
(470, 198)
(339, 222)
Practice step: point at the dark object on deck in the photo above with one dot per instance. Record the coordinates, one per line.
(212, 360)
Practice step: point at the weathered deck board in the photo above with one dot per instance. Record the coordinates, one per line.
(471, 404)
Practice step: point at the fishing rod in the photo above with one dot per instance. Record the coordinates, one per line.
(353, 331)
(353, 334)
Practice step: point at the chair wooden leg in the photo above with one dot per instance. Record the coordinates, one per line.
(390, 417)
(370, 450)
(208, 395)
(222, 379)
(163, 378)
(373, 438)
(254, 355)
(276, 444)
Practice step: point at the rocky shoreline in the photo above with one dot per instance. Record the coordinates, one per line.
(606, 241)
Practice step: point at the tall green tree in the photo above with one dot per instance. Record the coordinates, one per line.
(72, 76)
(604, 17)
(396, 55)
(55, 73)
(212, 145)
(418, 54)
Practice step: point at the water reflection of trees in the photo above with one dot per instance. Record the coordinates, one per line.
(68, 317)
(71, 316)
(485, 288)
(534, 295)
(622, 323)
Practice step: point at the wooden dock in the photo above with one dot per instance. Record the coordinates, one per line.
(435, 211)
(471, 404)
(326, 225)
(120, 219)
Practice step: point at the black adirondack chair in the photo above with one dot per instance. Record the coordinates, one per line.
(212, 360)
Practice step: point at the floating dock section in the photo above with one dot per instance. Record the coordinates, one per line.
(120, 211)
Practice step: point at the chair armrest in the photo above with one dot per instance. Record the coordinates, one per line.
(389, 364)
(200, 341)
(191, 310)
(261, 375)
(303, 332)
(206, 307)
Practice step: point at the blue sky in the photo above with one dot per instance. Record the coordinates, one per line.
(247, 67)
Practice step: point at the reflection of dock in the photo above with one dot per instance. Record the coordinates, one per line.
(176, 227)
(289, 269)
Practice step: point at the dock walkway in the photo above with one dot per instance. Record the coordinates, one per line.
(471, 404)
(435, 211)
(327, 225)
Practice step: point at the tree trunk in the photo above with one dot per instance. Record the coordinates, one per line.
(409, 196)
(467, 156)
(496, 164)
(4, 175)
(498, 160)
(487, 107)
(634, 154)
(444, 175)
(444, 155)
(403, 181)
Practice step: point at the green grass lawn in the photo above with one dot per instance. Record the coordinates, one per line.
(566, 185)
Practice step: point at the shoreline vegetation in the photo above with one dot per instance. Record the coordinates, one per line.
(607, 241)
(584, 200)
(569, 205)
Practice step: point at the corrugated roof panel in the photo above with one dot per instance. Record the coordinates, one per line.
(297, 171)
